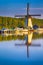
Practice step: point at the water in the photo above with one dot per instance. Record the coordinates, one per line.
(17, 55)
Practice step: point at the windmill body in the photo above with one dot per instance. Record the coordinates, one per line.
(30, 23)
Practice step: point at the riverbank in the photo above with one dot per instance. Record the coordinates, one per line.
(11, 23)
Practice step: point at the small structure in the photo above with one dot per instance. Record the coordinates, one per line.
(35, 26)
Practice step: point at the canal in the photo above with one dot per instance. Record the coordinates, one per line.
(10, 54)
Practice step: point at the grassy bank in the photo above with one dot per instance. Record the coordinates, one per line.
(9, 22)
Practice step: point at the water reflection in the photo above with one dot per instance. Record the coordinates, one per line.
(29, 42)
(27, 36)
(21, 36)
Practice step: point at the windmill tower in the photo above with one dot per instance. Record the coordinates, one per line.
(30, 22)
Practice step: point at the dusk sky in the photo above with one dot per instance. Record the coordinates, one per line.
(12, 7)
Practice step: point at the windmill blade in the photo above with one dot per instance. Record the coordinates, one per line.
(27, 10)
(35, 15)
(20, 44)
(27, 51)
(36, 45)
(20, 15)
(28, 15)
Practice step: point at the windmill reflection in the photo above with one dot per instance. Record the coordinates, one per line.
(28, 42)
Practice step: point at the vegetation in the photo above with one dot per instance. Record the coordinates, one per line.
(9, 22)
(38, 22)
(8, 38)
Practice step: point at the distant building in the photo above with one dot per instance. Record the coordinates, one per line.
(35, 26)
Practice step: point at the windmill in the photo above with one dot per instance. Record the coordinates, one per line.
(30, 34)
(28, 17)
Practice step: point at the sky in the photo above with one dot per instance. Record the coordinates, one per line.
(12, 7)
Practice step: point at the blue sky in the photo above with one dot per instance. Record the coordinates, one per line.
(12, 7)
